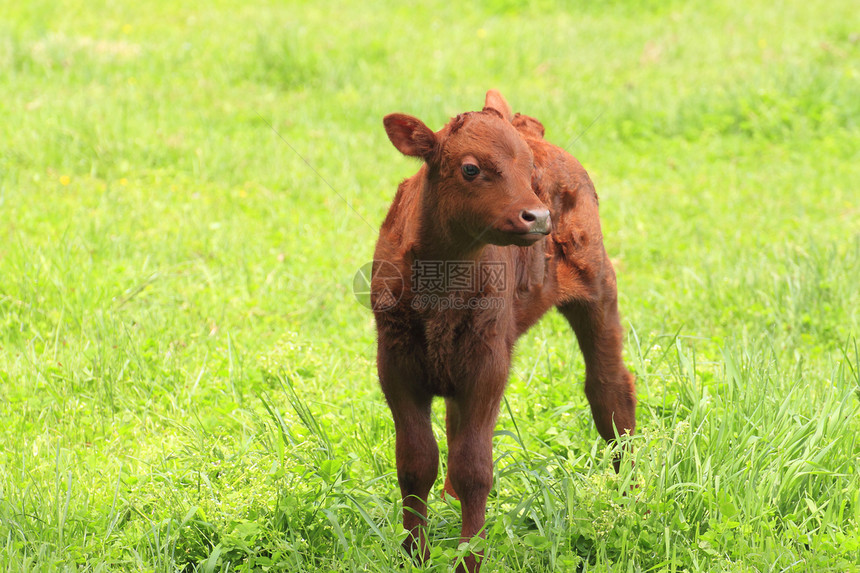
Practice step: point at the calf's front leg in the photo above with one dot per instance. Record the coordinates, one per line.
(470, 423)
(416, 451)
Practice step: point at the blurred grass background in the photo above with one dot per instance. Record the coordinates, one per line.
(187, 380)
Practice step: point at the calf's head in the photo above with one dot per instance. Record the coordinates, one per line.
(478, 176)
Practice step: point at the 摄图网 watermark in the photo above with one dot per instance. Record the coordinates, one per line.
(436, 285)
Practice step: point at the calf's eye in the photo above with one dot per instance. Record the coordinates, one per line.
(470, 170)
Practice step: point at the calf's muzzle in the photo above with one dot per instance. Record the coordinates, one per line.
(537, 221)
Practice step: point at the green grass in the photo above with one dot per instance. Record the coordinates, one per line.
(188, 384)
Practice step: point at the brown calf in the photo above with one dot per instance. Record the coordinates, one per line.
(497, 227)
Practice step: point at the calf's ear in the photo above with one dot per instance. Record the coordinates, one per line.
(527, 124)
(410, 136)
(494, 100)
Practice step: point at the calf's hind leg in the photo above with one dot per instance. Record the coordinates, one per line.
(608, 384)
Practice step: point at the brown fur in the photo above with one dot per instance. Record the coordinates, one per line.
(464, 354)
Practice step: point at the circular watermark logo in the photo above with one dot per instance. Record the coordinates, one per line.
(389, 283)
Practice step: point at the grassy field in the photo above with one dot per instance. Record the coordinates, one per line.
(187, 382)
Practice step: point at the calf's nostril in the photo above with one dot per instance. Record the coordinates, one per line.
(537, 220)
